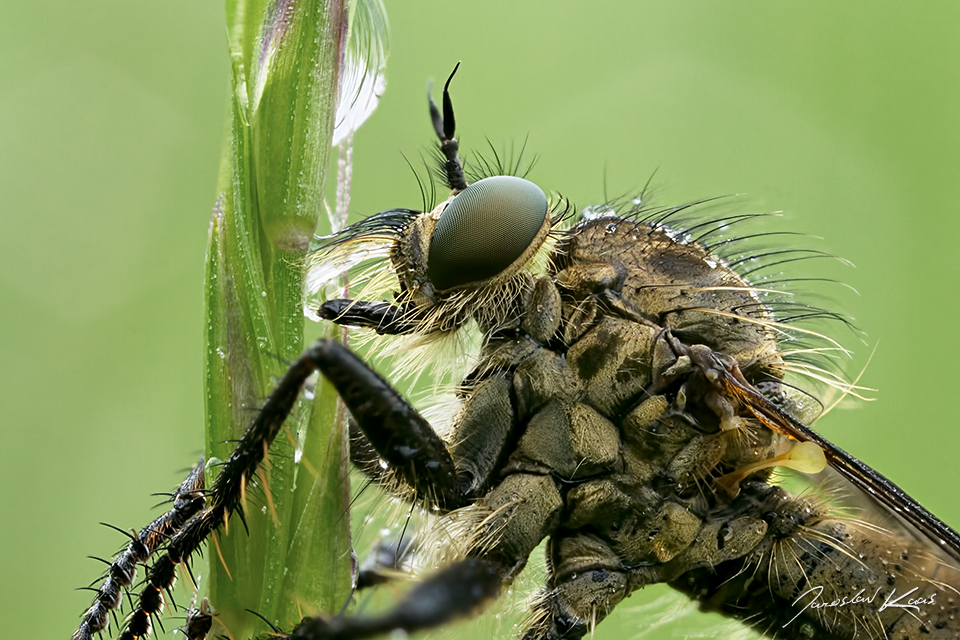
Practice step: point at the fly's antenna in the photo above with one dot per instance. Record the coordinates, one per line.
(446, 125)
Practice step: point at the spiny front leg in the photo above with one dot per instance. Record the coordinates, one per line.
(187, 500)
(225, 496)
(396, 431)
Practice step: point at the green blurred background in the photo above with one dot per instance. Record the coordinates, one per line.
(843, 115)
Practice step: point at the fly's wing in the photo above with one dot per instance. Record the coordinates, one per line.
(871, 482)
(791, 400)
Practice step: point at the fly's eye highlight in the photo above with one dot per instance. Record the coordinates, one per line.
(484, 229)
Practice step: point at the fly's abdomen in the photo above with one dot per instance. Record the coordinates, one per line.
(817, 575)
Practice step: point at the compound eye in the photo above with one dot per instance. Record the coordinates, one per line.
(484, 229)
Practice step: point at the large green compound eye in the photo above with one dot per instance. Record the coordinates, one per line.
(484, 229)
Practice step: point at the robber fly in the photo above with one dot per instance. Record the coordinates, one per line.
(627, 401)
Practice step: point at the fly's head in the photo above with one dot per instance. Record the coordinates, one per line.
(480, 246)
(474, 256)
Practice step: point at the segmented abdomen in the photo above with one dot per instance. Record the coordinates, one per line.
(817, 575)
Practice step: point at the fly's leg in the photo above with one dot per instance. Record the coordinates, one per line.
(187, 500)
(393, 428)
(454, 592)
(515, 516)
(523, 509)
(225, 496)
(588, 578)
(586, 582)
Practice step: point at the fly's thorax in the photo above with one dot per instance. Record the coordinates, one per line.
(675, 284)
(574, 346)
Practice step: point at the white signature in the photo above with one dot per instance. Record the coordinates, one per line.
(891, 601)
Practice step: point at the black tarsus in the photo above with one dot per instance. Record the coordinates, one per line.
(187, 500)
(445, 127)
